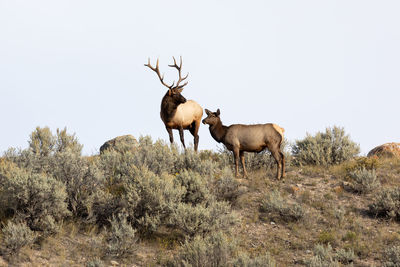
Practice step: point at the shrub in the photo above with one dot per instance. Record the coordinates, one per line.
(392, 257)
(324, 256)
(81, 178)
(369, 163)
(66, 142)
(363, 180)
(157, 157)
(15, 235)
(35, 198)
(148, 199)
(39, 157)
(331, 147)
(326, 237)
(191, 160)
(121, 239)
(160, 157)
(345, 256)
(386, 203)
(195, 185)
(275, 204)
(96, 262)
(158, 198)
(116, 166)
(41, 141)
(225, 187)
(213, 250)
(203, 218)
(243, 260)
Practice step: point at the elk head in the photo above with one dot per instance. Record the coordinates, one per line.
(212, 117)
(174, 91)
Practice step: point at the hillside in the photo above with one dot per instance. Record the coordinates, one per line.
(158, 206)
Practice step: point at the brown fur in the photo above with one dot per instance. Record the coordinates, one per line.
(241, 138)
(176, 112)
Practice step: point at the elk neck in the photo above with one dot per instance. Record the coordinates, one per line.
(218, 131)
(168, 108)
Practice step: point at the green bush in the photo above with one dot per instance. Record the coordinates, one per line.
(369, 163)
(215, 249)
(82, 179)
(15, 235)
(191, 160)
(35, 198)
(196, 187)
(325, 256)
(66, 142)
(243, 260)
(363, 180)
(41, 142)
(158, 198)
(392, 257)
(225, 187)
(121, 239)
(148, 199)
(203, 218)
(96, 262)
(386, 203)
(43, 146)
(345, 256)
(331, 147)
(157, 157)
(275, 204)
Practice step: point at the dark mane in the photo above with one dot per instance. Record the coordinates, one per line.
(168, 108)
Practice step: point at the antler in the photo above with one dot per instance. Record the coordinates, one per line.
(179, 71)
(157, 70)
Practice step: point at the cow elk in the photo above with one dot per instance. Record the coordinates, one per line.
(177, 112)
(241, 138)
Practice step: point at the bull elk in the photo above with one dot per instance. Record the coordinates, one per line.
(177, 112)
(241, 138)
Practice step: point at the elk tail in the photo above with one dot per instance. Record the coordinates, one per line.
(280, 130)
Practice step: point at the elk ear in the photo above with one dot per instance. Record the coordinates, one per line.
(218, 112)
(169, 92)
(208, 112)
(180, 90)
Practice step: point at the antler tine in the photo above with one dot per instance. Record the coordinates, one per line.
(180, 75)
(161, 77)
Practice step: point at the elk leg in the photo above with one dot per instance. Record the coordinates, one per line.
(182, 137)
(241, 154)
(236, 157)
(194, 129)
(283, 165)
(171, 136)
(278, 158)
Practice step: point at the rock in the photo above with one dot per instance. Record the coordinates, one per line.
(120, 144)
(293, 189)
(3, 262)
(388, 150)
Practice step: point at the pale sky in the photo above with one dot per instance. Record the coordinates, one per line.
(304, 65)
